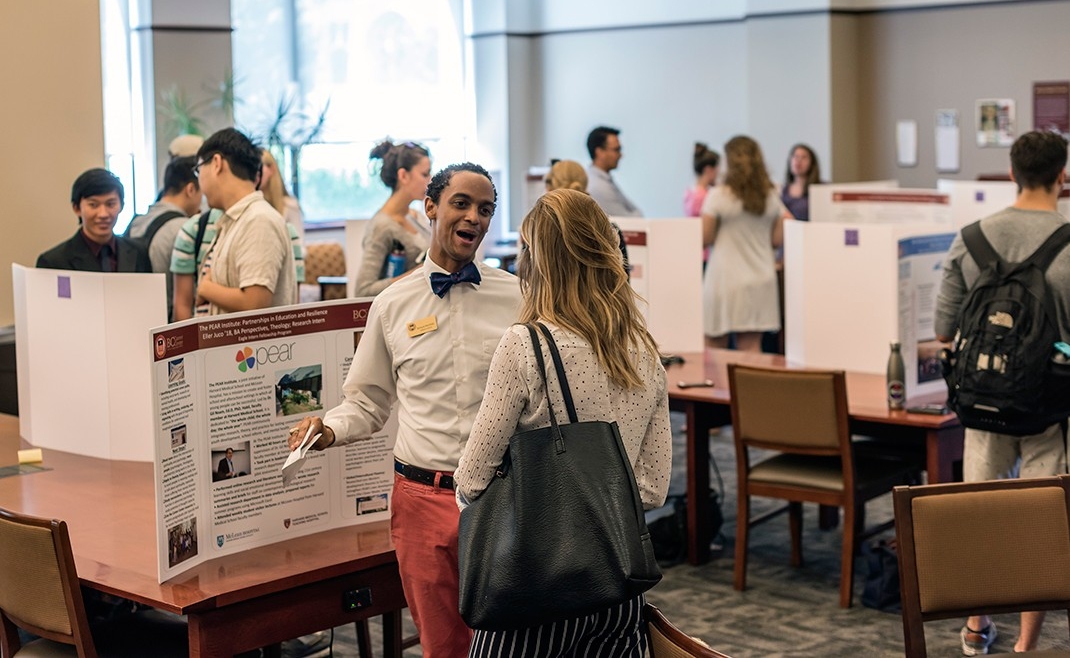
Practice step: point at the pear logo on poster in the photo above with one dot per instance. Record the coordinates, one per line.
(245, 359)
(249, 360)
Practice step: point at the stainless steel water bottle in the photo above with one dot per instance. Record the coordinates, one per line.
(897, 386)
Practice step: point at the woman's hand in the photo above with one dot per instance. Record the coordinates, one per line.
(298, 432)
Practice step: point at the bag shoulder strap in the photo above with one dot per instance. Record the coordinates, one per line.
(158, 223)
(542, 371)
(1047, 252)
(980, 248)
(202, 226)
(562, 380)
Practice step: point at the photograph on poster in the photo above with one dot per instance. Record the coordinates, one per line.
(182, 541)
(298, 390)
(176, 371)
(178, 437)
(995, 122)
(929, 364)
(372, 504)
(230, 462)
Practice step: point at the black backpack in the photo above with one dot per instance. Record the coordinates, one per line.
(146, 238)
(1002, 372)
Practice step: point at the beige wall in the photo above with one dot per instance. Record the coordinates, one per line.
(54, 124)
(915, 62)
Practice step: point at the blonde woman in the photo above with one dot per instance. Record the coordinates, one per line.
(571, 279)
(567, 175)
(275, 193)
(743, 220)
(274, 189)
(406, 171)
(571, 175)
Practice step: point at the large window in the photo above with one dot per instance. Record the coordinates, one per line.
(321, 81)
(128, 152)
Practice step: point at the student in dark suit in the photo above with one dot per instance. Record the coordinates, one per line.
(97, 200)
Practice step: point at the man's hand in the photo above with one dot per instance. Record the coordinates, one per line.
(297, 433)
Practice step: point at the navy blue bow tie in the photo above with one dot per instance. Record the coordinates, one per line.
(441, 283)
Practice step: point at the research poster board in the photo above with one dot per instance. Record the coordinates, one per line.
(921, 263)
(889, 206)
(821, 195)
(665, 256)
(82, 360)
(238, 382)
(852, 290)
(973, 200)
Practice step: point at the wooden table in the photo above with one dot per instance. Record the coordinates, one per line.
(940, 437)
(234, 603)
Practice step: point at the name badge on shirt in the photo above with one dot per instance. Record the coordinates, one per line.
(423, 326)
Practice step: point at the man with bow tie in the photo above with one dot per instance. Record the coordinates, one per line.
(428, 344)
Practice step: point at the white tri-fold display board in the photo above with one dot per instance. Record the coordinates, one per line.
(83, 355)
(665, 256)
(853, 289)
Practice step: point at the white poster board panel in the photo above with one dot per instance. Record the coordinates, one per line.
(238, 383)
(842, 307)
(972, 200)
(665, 255)
(821, 195)
(85, 355)
(1063, 204)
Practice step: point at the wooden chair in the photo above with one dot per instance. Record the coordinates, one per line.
(41, 594)
(981, 548)
(325, 269)
(668, 641)
(803, 416)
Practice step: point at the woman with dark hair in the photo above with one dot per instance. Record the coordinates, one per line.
(704, 162)
(572, 281)
(803, 171)
(742, 219)
(396, 229)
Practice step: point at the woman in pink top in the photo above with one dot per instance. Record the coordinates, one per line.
(705, 163)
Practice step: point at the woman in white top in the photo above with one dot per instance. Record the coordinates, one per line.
(743, 220)
(572, 279)
(396, 228)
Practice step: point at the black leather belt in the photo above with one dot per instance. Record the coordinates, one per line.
(445, 481)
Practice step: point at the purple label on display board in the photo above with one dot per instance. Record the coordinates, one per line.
(63, 285)
(979, 196)
(850, 237)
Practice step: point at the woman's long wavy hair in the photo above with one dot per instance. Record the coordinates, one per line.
(572, 274)
(747, 176)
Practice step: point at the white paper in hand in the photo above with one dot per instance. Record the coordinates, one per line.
(296, 459)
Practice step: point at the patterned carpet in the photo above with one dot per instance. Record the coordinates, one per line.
(784, 611)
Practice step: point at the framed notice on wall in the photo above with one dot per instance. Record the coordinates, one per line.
(1051, 106)
(995, 122)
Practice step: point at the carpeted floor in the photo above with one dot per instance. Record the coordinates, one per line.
(784, 611)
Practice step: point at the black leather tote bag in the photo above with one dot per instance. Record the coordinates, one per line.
(559, 532)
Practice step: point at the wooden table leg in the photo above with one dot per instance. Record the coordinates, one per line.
(701, 418)
(943, 447)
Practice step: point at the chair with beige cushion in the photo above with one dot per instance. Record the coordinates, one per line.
(1017, 559)
(668, 641)
(802, 415)
(325, 272)
(41, 594)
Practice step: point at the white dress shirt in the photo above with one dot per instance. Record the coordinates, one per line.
(437, 376)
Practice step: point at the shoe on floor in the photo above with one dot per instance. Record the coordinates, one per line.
(977, 643)
(307, 646)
